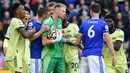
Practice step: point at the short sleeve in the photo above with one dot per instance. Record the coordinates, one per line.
(120, 36)
(105, 28)
(30, 26)
(18, 24)
(76, 29)
(45, 22)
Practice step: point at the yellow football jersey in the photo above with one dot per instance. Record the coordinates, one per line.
(120, 55)
(16, 43)
(69, 51)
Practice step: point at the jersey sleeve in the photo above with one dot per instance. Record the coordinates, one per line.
(18, 24)
(45, 22)
(30, 26)
(76, 30)
(120, 36)
(81, 30)
(105, 28)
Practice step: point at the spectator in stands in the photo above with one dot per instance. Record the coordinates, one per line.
(115, 10)
(125, 16)
(119, 21)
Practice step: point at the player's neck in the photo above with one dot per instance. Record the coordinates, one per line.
(16, 16)
(55, 17)
(39, 20)
(95, 16)
(112, 30)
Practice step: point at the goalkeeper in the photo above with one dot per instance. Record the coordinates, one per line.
(52, 58)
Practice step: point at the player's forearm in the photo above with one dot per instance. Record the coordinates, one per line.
(26, 34)
(78, 39)
(47, 42)
(117, 45)
(81, 46)
(36, 35)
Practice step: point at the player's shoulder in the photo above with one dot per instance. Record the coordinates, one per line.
(119, 30)
(73, 25)
(16, 20)
(31, 23)
(47, 20)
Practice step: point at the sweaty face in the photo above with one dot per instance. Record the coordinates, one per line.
(110, 23)
(50, 10)
(21, 11)
(62, 12)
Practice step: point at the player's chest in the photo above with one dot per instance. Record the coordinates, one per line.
(56, 25)
(113, 37)
(68, 32)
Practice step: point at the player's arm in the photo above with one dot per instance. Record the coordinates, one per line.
(109, 42)
(81, 46)
(119, 40)
(5, 45)
(26, 34)
(111, 48)
(36, 35)
(117, 45)
(46, 41)
(78, 39)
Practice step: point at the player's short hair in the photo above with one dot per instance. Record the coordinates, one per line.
(96, 8)
(27, 9)
(58, 5)
(41, 11)
(110, 16)
(15, 6)
(50, 4)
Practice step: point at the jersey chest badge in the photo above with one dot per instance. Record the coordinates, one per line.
(56, 26)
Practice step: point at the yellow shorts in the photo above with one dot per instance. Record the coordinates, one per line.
(18, 65)
(72, 66)
(117, 69)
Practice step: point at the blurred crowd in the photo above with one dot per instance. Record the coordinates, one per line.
(79, 11)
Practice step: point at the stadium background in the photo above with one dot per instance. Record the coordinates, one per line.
(79, 11)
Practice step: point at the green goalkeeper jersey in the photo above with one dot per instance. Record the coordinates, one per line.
(53, 50)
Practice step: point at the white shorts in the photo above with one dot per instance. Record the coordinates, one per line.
(92, 64)
(36, 66)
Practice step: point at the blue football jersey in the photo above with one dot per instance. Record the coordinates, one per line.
(36, 45)
(92, 31)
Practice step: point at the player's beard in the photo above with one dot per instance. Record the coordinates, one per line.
(111, 28)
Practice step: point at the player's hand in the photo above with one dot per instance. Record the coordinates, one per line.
(113, 61)
(58, 39)
(64, 40)
(69, 41)
(45, 28)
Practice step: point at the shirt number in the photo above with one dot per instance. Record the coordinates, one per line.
(91, 32)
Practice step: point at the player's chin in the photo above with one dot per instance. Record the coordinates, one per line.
(62, 17)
